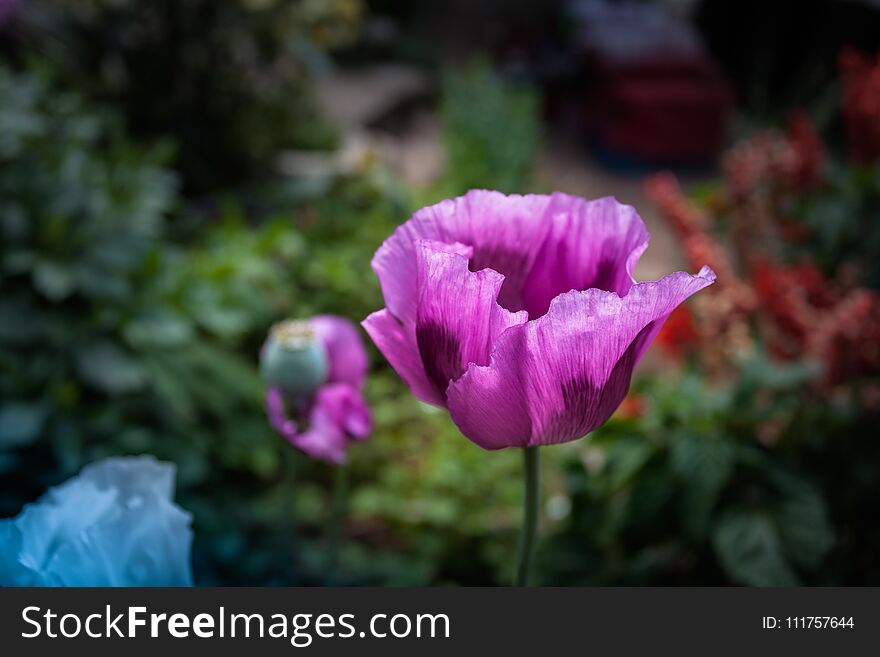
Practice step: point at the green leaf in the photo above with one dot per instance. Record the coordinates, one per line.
(21, 423)
(624, 459)
(704, 464)
(54, 281)
(802, 519)
(751, 551)
(158, 330)
(110, 369)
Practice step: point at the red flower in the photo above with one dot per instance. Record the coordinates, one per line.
(679, 335)
(805, 314)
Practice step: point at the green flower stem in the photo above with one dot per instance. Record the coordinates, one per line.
(290, 544)
(336, 520)
(531, 504)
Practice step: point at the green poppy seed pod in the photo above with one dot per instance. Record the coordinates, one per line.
(293, 359)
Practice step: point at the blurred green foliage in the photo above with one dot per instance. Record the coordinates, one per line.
(226, 80)
(706, 488)
(843, 219)
(113, 339)
(491, 130)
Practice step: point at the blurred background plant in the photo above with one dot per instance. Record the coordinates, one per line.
(174, 179)
(160, 65)
(491, 129)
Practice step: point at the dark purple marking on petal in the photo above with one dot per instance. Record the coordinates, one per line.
(606, 277)
(585, 406)
(400, 348)
(441, 354)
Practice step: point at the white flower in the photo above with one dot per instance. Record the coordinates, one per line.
(115, 524)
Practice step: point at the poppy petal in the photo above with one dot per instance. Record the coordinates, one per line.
(505, 232)
(458, 317)
(346, 355)
(399, 346)
(592, 244)
(339, 415)
(559, 377)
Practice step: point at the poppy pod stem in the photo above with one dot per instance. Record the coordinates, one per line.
(337, 518)
(290, 538)
(531, 503)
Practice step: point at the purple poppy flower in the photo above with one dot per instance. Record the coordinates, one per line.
(520, 313)
(315, 370)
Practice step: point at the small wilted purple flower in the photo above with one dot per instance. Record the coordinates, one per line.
(315, 370)
(520, 313)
